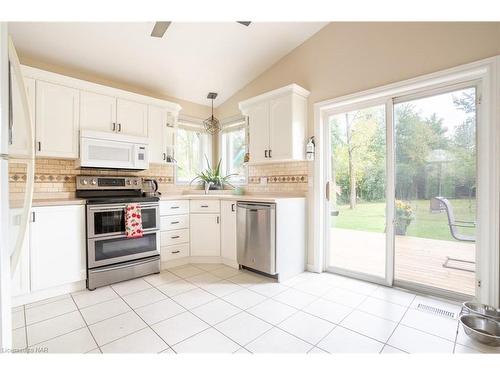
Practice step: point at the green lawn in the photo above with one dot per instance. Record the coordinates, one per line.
(371, 217)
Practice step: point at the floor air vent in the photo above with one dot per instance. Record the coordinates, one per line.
(436, 311)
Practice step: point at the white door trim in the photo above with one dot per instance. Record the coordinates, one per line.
(487, 72)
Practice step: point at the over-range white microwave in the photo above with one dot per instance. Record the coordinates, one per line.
(111, 150)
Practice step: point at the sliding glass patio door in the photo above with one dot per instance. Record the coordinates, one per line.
(435, 191)
(402, 191)
(357, 192)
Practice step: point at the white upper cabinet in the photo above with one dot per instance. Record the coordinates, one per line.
(258, 122)
(277, 124)
(19, 146)
(132, 117)
(97, 112)
(57, 120)
(160, 138)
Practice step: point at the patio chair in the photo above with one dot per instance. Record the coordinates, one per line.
(453, 224)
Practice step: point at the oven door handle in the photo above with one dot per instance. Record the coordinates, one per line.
(119, 266)
(117, 208)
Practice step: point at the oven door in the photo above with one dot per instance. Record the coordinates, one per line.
(116, 249)
(109, 220)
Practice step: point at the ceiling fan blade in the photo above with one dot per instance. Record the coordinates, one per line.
(244, 23)
(160, 28)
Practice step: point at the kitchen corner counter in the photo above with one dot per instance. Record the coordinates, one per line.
(50, 202)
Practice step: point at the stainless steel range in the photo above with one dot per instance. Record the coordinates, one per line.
(111, 256)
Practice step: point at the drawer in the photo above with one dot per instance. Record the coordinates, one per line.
(204, 205)
(174, 207)
(174, 252)
(174, 237)
(174, 222)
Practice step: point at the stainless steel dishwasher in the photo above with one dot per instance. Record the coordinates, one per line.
(256, 236)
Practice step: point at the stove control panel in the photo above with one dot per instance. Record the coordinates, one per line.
(108, 183)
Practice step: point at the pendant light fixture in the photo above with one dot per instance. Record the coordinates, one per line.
(211, 124)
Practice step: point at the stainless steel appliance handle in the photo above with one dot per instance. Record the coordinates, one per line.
(119, 266)
(259, 206)
(119, 207)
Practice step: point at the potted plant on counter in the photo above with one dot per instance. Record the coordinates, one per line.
(404, 216)
(212, 177)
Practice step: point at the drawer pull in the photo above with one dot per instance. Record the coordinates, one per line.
(174, 237)
(176, 252)
(174, 222)
(174, 207)
(204, 206)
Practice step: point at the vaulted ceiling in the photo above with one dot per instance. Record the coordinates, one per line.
(188, 62)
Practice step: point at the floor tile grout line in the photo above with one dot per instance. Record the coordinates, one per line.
(52, 317)
(86, 325)
(140, 317)
(397, 325)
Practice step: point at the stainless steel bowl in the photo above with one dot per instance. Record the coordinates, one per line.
(482, 329)
(480, 309)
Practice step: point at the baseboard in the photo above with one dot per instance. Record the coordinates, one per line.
(312, 268)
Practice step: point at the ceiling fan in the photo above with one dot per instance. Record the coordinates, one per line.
(160, 27)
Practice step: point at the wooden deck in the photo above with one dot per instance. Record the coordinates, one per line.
(418, 260)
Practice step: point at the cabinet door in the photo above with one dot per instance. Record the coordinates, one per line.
(281, 128)
(157, 123)
(20, 279)
(97, 112)
(19, 146)
(132, 118)
(56, 120)
(205, 234)
(228, 230)
(258, 121)
(57, 246)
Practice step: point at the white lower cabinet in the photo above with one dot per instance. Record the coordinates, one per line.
(228, 230)
(57, 246)
(174, 252)
(205, 234)
(174, 226)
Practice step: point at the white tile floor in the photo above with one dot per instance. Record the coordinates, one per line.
(211, 308)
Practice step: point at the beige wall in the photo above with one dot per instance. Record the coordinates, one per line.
(188, 108)
(344, 58)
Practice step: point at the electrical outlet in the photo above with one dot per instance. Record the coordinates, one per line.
(263, 180)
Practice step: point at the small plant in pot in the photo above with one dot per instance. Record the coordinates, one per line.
(404, 216)
(212, 178)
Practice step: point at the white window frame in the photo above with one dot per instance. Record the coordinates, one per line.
(488, 152)
(231, 124)
(194, 124)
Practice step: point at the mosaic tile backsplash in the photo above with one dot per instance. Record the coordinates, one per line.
(55, 178)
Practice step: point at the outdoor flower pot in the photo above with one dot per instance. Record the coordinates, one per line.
(404, 216)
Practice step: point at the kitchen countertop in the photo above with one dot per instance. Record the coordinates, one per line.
(245, 197)
(233, 197)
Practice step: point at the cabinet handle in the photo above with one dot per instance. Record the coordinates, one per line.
(204, 206)
(119, 128)
(174, 237)
(217, 220)
(39, 146)
(174, 222)
(270, 154)
(265, 153)
(174, 207)
(164, 156)
(33, 216)
(232, 207)
(114, 126)
(176, 252)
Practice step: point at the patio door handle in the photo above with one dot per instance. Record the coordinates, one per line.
(327, 192)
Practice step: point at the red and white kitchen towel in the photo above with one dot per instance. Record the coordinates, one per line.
(133, 221)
